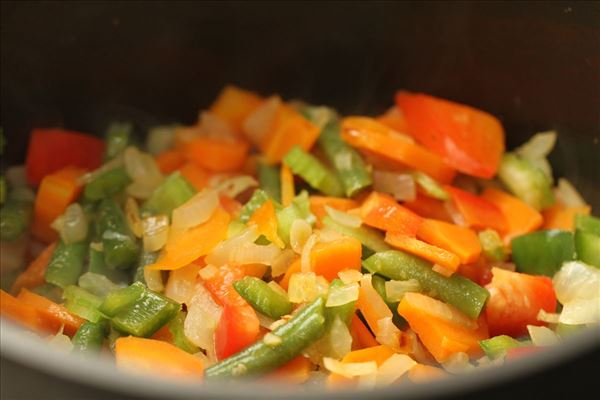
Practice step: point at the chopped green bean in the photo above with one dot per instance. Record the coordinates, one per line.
(66, 264)
(262, 297)
(119, 246)
(313, 172)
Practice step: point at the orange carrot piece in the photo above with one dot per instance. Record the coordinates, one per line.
(428, 207)
(157, 357)
(366, 133)
(459, 240)
(232, 206)
(287, 185)
(429, 252)
(19, 312)
(294, 267)
(361, 336)
(234, 105)
(377, 353)
(393, 118)
(34, 274)
(217, 155)
(170, 161)
(52, 315)
(295, 372)
(421, 373)
(164, 334)
(318, 203)
(265, 220)
(184, 247)
(55, 193)
(520, 217)
(329, 258)
(382, 211)
(559, 216)
(195, 175)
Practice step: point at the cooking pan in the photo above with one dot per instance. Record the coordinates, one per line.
(81, 65)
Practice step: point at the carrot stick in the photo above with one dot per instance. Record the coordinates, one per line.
(329, 258)
(393, 118)
(520, 217)
(217, 155)
(195, 175)
(296, 371)
(476, 211)
(52, 315)
(20, 312)
(436, 255)
(266, 223)
(287, 185)
(234, 105)
(459, 240)
(381, 211)
(559, 216)
(34, 274)
(361, 336)
(377, 353)
(170, 161)
(296, 266)
(318, 203)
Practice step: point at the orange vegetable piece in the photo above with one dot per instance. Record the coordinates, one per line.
(428, 207)
(295, 372)
(164, 334)
(459, 240)
(17, 311)
(368, 134)
(55, 193)
(195, 175)
(378, 353)
(216, 154)
(381, 211)
(230, 205)
(436, 255)
(371, 305)
(52, 315)
(520, 217)
(394, 119)
(287, 185)
(318, 203)
(560, 216)
(156, 357)
(34, 274)
(265, 220)
(477, 212)
(424, 373)
(170, 161)
(329, 258)
(234, 105)
(185, 247)
(442, 336)
(361, 336)
(294, 267)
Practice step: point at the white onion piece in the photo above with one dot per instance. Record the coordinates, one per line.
(160, 139)
(305, 257)
(208, 272)
(203, 315)
(60, 342)
(142, 168)
(264, 321)
(16, 176)
(140, 190)
(302, 287)
(206, 360)
(550, 318)
(581, 311)
(455, 215)
(340, 339)
(196, 210)
(393, 368)
(156, 232)
(440, 269)
(327, 235)
(250, 253)
(566, 194)
(179, 285)
(259, 123)
(350, 276)
(299, 234)
(153, 278)
(233, 186)
(388, 333)
(576, 280)
(401, 186)
(74, 224)
(109, 166)
(458, 363)
(440, 310)
(12, 254)
(132, 214)
(339, 295)
(343, 218)
(367, 382)
(542, 336)
(220, 255)
(395, 290)
(213, 126)
(350, 370)
(282, 262)
(538, 146)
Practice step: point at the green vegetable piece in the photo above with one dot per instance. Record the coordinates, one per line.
(498, 345)
(344, 311)
(587, 246)
(122, 298)
(492, 245)
(66, 264)
(526, 181)
(15, 217)
(313, 172)
(90, 337)
(268, 177)
(146, 258)
(462, 293)
(96, 265)
(587, 223)
(299, 209)
(173, 192)
(369, 237)
(82, 303)
(303, 329)
(262, 297)
(347, 162)
(542, 252)
(50, 292)
(119, 246)
(3, 189)
(177, 331)
(118, 137)
(430, 186)
(259, 197)
(107, 185)
(97, 284)
(378, 283)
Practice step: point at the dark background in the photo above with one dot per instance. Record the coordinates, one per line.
(536, 65)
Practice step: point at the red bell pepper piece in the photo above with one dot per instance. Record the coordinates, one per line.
(382, 211)
(470, 140)
(237, 329)
(477, 212)
(515, 301)
(53, 149)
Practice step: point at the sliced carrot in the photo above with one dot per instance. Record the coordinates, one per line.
(432, 253)
(428, 207)
(20, 312)
(265, 220)
(361, 336)
(381, 211)
(164, 334)
(234, 105)
(421, 373)
(318, 203)
(294, 267)
(185, 247)
(367, 133)
(217, 155)
(329, 258)
(52, 315)
(156, 357)
(476, 211)
(230, 205)
(295, 372)
(459, 240)
(287, 185)
(170, 161)
(55, 193)
(195, 175)
(442, 336)
(393, 118)
(520, 217)
(34, 274)
(377, 353)
(560, 216)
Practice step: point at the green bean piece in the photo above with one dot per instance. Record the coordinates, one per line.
(118, 136)
(370, 238)
(313, 172)
(492, 245)
(107, 184)
(498, 345)
(15, 216)
(462, 293)
(119, 246)
(303, 329)
(96, 265)
(90, 337)
(66, 264)
(50, 292)
(82, 303)
(173, 192)
(177, 331)
(262, 297)
(378, 283)
(299, 209)
(268, 177)
(120, 299)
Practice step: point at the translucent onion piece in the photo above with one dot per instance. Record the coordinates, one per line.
(299, 234)
(329, 235)
(12, 254)
(213, 126)
(575, 281)
(132, 213)
(350, 370)
(282, 262)
(566, 194)
(222, 252)
(401, 186)
(250, 253)
(160, 139)
(550, 318)
(140, 190)
(350, 276)
(141, 167)
(153, 278)
(440, 310)
(395, 290)
(109, 166)
(342, 218)
(264, 321)
(196, 210)
(393, 368)
(542, 336)
(339, 295)
(236, 185)
(156, 232)
(458, 363)
(367, 382)
(303, 287)
(322, 285)
(74, 226)
(16, 176)
(388, 333)
(305, 257)
(259, 123)
(208, 272)
(455, 215)
(206, 360)
(442, 270)
(60, 342)
(203, 314)
(538, 146)
(340, 337)
(581, 311)
(180, 285)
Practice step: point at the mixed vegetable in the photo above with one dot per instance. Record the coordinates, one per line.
(281, 241)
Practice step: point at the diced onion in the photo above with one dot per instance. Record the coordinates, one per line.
(277, 324)
(140, 190)
(282, 262)
(221, 254)
(213, 126)
(395, 290)
(538, 146)
(367, 382)
(458, 363)
(206, 360)
(340, 339)
(576, 280)
(143, 171)
(160, 139)
(264, 321)
(259, 123)
(343, 218)
(581, 311)
(156, 232)
(566, 194)
(73, 224)
(299, 234)
(153, 278)
(327, 235)
(440, 269)
(350, 370)
(393, 368)
(322, 285)
(98, 246)
(339, 295)
(208, 272)
(542, 336)
(196, 210)
(401, 186)
(302, 287)
(12, 253)
(350, 276)
(132, 214)
(181, 283)
(16, 176)
(60, 342)
(550, 318)
(109, 166)
(388, 333)
(203, 315)
(250, 253)
(233, 186)
(305, 257)
(272, 340)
